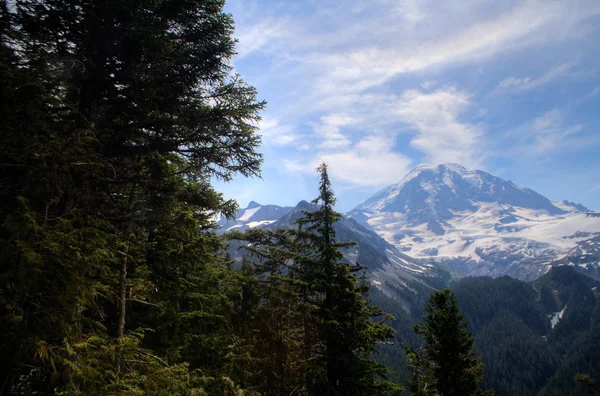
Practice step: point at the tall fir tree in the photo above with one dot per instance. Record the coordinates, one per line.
(347, 329)
(450, 359)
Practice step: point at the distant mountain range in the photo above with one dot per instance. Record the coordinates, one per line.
(443, 221)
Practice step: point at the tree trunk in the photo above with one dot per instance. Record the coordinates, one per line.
(332, 373)
(122, 294)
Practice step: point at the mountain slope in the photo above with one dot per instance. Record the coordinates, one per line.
(477, 223)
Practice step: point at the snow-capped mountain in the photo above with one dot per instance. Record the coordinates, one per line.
(255, 215)
(477, 223)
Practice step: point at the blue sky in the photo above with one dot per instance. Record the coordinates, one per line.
(376, 87)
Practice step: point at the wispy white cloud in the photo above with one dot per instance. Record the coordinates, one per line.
(344, 67)
(436, 118)
(527, 83)
(428, 84)
(260, 36)
(544, 135)
(275, 133)
(550, 132)
(528, 23)
(590, 95)
(371, 162)
(441, 135)
(593, 189)
(329, 129)
(511, 82)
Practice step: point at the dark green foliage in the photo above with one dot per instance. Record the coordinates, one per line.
(422, 381)
(449, 357)
(521, 352)
(580, 352)
(115, 117)
(507, 372)
(513, 316)
(482, 299)
(268, 357)
(392, 353)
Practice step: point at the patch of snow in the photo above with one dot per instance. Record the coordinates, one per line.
(414, 270)
(248, 213)
(557, 316)
(253, 224)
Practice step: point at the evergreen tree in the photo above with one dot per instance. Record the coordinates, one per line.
(457, 369)
(341, 345)
(116, 115)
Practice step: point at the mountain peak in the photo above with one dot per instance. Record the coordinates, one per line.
(576, 206)
(305, 205)
(433, 192)
(439, 167)
(423, 170)
(253, 204)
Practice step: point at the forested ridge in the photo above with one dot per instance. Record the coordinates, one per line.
(523, 353)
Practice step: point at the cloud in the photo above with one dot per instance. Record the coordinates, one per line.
(527, 83)
(258, 37)
(548, 132)
(294, 166)
(528, 23)
(441, 136)
(371, 162)
(329, 130)
(511, 82)
(590, 95)
(427, 84)
(593, 190)
(274, 133)
(436, 117)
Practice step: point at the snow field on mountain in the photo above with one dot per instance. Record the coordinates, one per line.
(248, 213)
